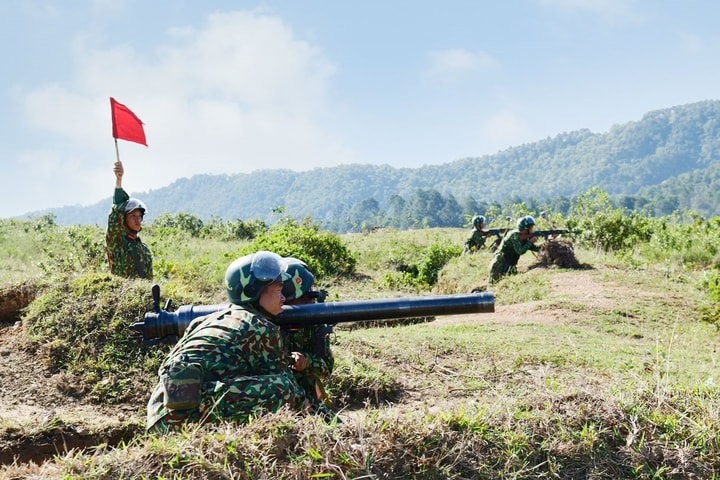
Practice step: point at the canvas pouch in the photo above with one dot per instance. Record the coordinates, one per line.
(182, 381)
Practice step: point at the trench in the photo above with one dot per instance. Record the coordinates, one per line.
(18, 446)
(47, 445)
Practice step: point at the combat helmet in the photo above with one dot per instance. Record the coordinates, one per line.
(247, 277)
(477, 220)
(525, 222)
(134, 204)
(300, 279)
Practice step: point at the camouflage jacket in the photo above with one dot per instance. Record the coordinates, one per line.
(512, 247)
(320, 360)
(508, 254)
(127, 255)
(475, 241)
(246, 371)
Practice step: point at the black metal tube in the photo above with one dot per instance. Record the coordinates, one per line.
(163, 324)
(385, 309)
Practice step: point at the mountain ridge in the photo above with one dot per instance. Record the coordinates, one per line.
(657, 160)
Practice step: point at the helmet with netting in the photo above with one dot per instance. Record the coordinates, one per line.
(478, 220)
(525, 222)
(247, 277)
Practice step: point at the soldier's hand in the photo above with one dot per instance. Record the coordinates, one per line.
(300, 361)
(118, 169)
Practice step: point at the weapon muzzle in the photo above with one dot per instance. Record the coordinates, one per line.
(163, 324)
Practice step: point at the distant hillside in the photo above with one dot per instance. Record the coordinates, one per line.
(667, 160)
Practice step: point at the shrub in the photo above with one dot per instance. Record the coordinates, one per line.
(72, 249)
(323, 252)
(596, 222)
(233, 230)
(186, 222)
(711, 283)
(422, 273)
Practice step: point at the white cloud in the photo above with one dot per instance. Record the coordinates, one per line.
(237, 94)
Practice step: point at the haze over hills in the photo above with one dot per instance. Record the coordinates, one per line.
(668, 160)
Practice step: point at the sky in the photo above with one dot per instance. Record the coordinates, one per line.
(226, 87)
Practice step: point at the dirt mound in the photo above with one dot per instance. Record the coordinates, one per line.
(558, 252)
(14, 299)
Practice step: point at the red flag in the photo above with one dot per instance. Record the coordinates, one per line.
(125, 124)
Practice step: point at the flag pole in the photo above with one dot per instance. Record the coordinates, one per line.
(117, 151)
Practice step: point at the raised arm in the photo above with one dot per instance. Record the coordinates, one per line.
(119, 171)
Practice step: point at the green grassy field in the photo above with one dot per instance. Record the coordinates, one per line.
(609, 371)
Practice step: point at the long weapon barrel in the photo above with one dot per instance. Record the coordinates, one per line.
(163, 326)
(496, 231)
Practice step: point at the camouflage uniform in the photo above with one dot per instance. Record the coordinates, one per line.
(127, 255)
(320, 360)
(245, 371)
(508, 254)
(475, 241)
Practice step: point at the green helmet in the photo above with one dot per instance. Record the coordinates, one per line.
(247, 277)
(525, 222)
(300, 281)
(477, 220)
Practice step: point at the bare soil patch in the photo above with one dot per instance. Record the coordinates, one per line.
(580, 287)
(42, 413)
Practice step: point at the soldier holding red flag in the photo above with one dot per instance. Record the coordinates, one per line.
(127, 254)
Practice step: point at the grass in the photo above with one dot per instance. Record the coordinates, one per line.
(598, 373)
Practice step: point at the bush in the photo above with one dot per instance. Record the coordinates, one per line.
(185, 222)
(422, 273)
(323, 252)
(72, 249)
(233, 230)
(711, 283)
(598, 223)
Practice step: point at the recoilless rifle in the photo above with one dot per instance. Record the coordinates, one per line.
(164, 326)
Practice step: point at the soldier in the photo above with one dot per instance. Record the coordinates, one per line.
(230, 365)
(309, 346)
(127, 255)
(513, 245)
(477, 238)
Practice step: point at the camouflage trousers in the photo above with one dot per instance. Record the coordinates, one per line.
(239, 400)
(501, 267)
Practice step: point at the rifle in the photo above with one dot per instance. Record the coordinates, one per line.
(162, 326)
(496, 231)
(548, 233)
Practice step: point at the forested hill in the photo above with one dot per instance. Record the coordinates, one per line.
(668, 160)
